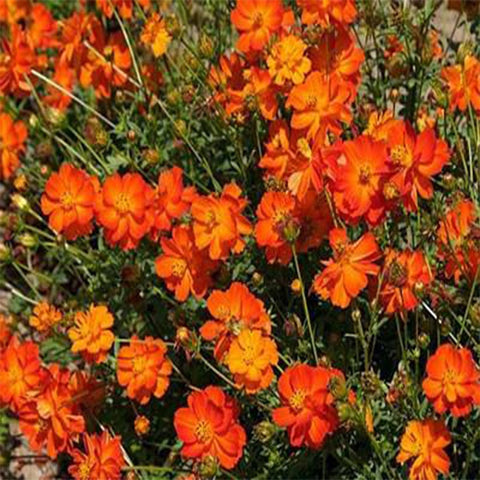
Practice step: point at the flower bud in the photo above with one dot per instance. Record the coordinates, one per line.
(151, 156)
(296, 286)
(264, 431)
(357, 315)
(20, 201)
(4, 253)
(20, 182)
(208, 468)
(28, 240)
(131, 135)
(338, 388)
(142, 425)
(424, 340)
(257, 279)
(475, 314)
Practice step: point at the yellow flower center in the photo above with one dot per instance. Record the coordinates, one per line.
(390, 191)
(179, 267)
(122, 204)
(311, 102)
(84, 470)
(397, 274)
(297, 400)
(257, 20)
(249, 354)
(450, 376)
(203, 431)
(139, 364)
(67, 200)
(401, 156)
(365, 174)
(280, 217)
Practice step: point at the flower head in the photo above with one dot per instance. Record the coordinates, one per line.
(91, 335)
(12, 144)
(155, 35)
(44, 317)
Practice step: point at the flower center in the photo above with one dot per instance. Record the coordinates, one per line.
(179, 267)
(139, 364)
(257, 20)
(249, 354)
(311, 102)
(84, 470)
(365, 175)
(401, 156)
(203, 431)
(397, 274)
(122, 204)
(280, 217)
(449, 377)
(297, 400)
(67, 200)
(390, 191)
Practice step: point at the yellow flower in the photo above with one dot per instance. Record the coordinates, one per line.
(44, 317)
(155, 35)
(287, 61)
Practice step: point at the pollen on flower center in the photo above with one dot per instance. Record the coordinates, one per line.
(401, 156)
(178, 267)
(249, 354)
(280, 217)
(365, 174)
(67, 200)
(203, 431)
(122, 204)
(397, 274)
(297, 399)
(84, 470)
(139, 364)
(311, 101)
(257, 20)
(450, 376)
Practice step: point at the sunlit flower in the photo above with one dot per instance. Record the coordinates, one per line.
(44, 317)
(155, 35)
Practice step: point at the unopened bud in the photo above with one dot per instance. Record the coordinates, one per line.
(264, 431)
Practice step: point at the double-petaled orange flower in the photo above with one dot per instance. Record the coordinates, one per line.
(320, 104)
(257, 21)
(233, 311)
(20, 373)
(42, 28)
(142, 367)
(124, 208)
(453, 380)
(346, 274)
(183, 267)
(250, 358)
(91, 335)
(307, 408)
(276, 226)
(287, 61)
(209, 427)
(424, 442)
(155, 34)
(326, 12)
(172, 199)
(463, 82)
(51, 419)
(404, 273)
(358, 178)
(68, 200)
(44, 317)
(456, 244)
(101, 458)
(218, 223)
(414, 159)
(107, 64)
(12, 144)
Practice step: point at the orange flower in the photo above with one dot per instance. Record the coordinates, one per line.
(124, 7)
(414, 159)
(463, 82)
(64, 76)
(287, 61)
(91, 335)
(358, 177)
(336, 53)
(275, 223)
(17, 58)
(250, 359)
(42, 28)
(308, 411)
(124, 208)
(258, 94)
(5, 333)
(86, 391)
(12, 143)
(172, 200)
(257, 21)
(404, 272)
(155, 35)
(218, 223)
(141, 425)
(320, 104)
(183, 267)
(209, 427)
(102, 458)
(326, 12)
(68, 200)
(143, 368)
(425, 441)
(20, 372)
(12, 11)
(44, 317)
(108, 66)
(456, 247)
(345, 276)
(233, 311)
(51, 419)
(453, 380)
